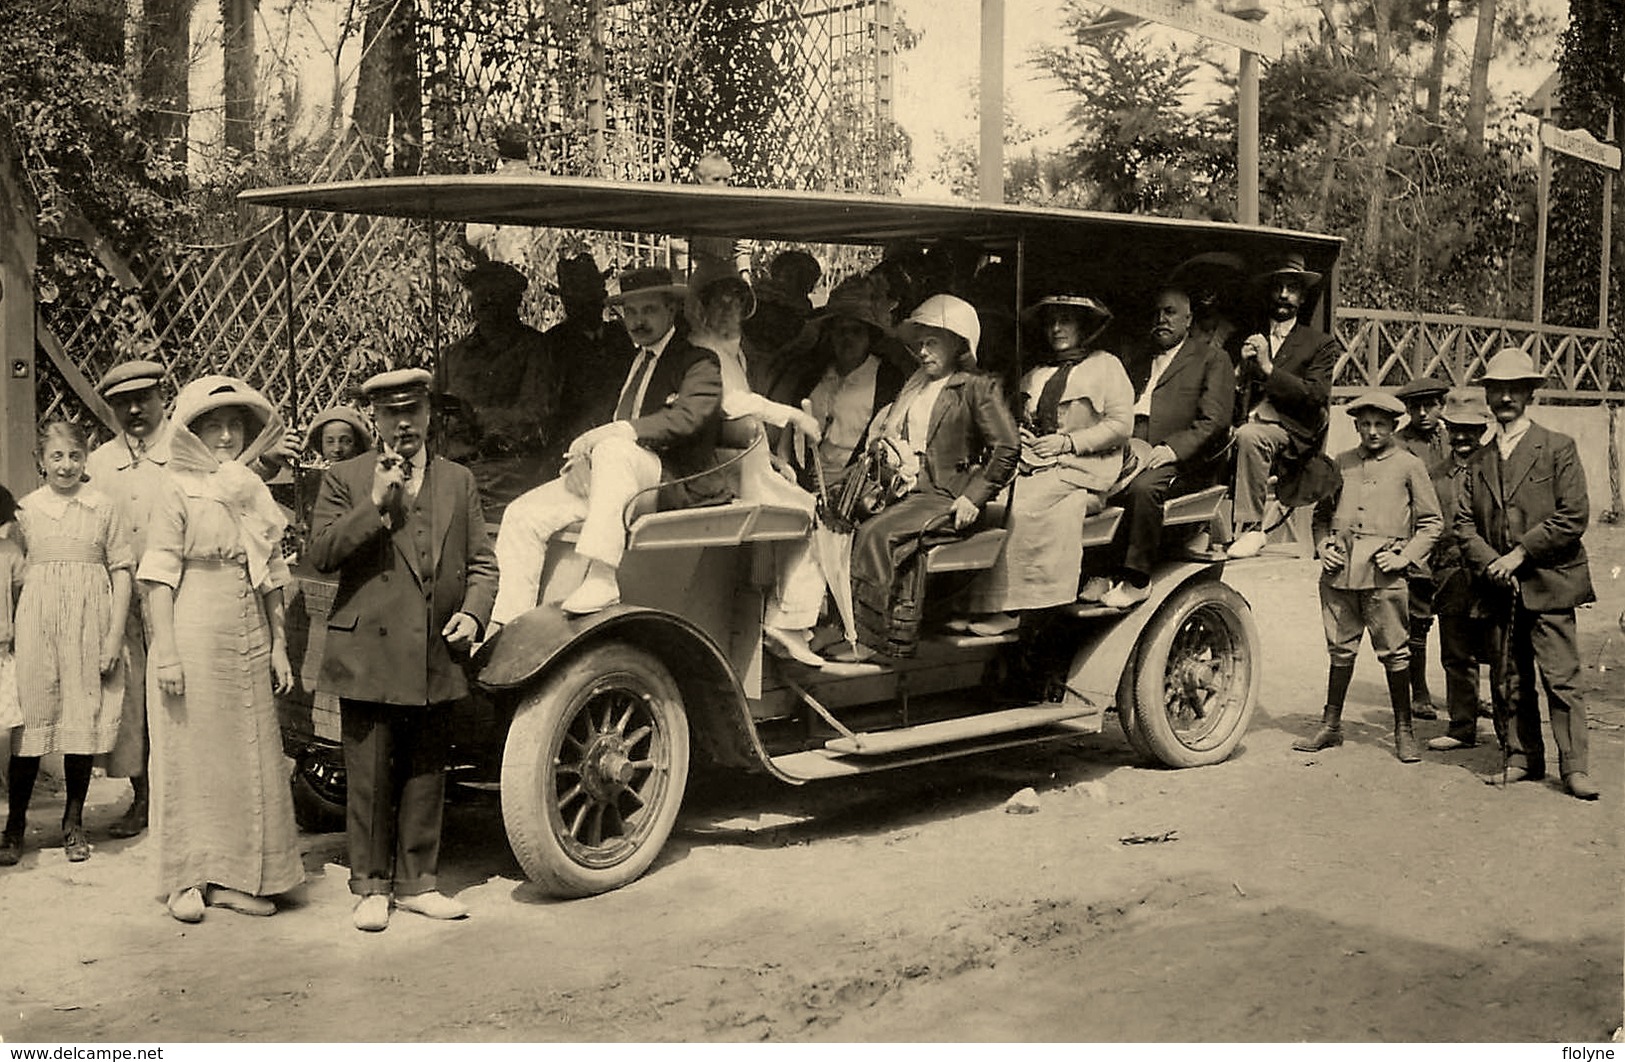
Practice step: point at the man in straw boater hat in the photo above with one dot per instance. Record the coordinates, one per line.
(1425, 436)
(589, 355)
(1522, 512)
(1455, 593)
(663, 435)
(1384, 518)
(404, 531)
(129, 468)
(1286, 378)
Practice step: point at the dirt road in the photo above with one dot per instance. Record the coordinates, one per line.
(1334, 896)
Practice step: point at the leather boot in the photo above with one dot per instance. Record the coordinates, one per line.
(134, 821)
(1399, 693)
(1421, 697)
(1330, 734)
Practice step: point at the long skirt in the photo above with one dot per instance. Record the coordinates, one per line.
(222, 811)
(1043, 552)
(888, 582)
(68, 705)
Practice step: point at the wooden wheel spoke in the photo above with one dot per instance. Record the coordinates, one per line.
(595, 826)
(638, 735)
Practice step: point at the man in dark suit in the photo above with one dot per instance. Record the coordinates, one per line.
(1287, 373)
(405, 533)
(1184, 390)
(589, 356)
(1520, 515)
(664, 434)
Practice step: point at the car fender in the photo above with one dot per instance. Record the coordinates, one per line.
(1099, 665)
(715, 703)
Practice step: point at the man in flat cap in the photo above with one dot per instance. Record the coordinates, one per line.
(589, 356)
(1286, 381)
(1424, 436)
(663, 435)
(129, 468)
(1456, 594)
(1522, 512)
(501, 383)
(404, 531)
(1384, 518)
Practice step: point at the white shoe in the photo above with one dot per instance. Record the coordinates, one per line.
(371, 913)
(1122, 595)
(1095, 588)
(599, 590)
(996, 624)
(1249, 544)
(1446, 743)
(433, 905)
(793, 644)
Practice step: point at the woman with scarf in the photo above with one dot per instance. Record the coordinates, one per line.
(1076, 413)
(956, 445)
(214, 575)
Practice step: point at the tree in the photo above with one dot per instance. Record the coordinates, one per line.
(388, 109)
(164, 43)
(237, 42)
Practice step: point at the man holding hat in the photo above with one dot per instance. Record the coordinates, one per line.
(1423, 436)
(1286, 383)
(1521, 515)
(589, 356)
(503, 385)
(665, 428)
(1454, 590)
(405, 533)
(1384, 518)
(129, 468)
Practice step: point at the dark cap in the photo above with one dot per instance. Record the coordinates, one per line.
(579, 275)
(1422, 387)
(397, 388)
(496, 278)
(130, 376)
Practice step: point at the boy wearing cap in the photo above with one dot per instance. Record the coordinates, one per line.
(1423, 436)
(1521, 515)
(1455, 596)
(404, 531)
(1383, 519)
(129, 469)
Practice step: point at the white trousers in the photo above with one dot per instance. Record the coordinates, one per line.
(620, 470)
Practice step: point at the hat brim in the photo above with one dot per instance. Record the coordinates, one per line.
(676, 291)
(126, 387)
(1309, 277)
(1479, 421)
(1530, 378)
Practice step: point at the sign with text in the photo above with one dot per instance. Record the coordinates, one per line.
(1205, 22)
(1580, 144)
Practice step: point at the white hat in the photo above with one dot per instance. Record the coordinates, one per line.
(946, 313)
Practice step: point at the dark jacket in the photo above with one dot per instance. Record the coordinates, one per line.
(1535, 499)
(971, 445)
(680, 419)
(1300, 387)
(398, 588)
(1190, 409)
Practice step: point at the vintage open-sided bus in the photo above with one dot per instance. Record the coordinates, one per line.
(592, 722)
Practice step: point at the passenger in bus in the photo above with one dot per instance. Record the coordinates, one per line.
(1286, 382)
(589, 356)
(498, 388)
(783, 304)
(1184, 390)
(1214, 281)
(510, 244)
(1076, 414)
(845, 365)
(664, 435)
(955, 448)
(719, 302)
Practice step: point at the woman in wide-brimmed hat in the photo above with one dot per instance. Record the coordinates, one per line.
(1076, 415)
(214, 574)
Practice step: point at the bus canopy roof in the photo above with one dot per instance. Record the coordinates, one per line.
(766, 214)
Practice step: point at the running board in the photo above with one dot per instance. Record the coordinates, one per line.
(886, 742)
(818, 764)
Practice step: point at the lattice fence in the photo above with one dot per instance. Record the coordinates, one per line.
(1386, 348)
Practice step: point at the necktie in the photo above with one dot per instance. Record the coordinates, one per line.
(406, 478)
(626, 407)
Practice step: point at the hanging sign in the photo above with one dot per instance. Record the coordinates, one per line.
(1206, 22)
(1579, 144)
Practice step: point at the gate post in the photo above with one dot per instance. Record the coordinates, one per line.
(19, 248)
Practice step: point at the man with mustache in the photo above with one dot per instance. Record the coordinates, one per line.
(404, 531)
(129, 468)
(1520, 515)
(1286, 371)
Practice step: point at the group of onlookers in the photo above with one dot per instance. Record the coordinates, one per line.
(150, 624)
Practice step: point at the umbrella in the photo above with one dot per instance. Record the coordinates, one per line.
(832, 549)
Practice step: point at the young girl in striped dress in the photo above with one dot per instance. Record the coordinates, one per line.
(70, 633)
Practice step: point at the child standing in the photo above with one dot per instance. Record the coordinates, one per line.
(1384, 518)
(70, 630)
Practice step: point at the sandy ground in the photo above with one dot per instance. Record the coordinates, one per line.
(1334, 896)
